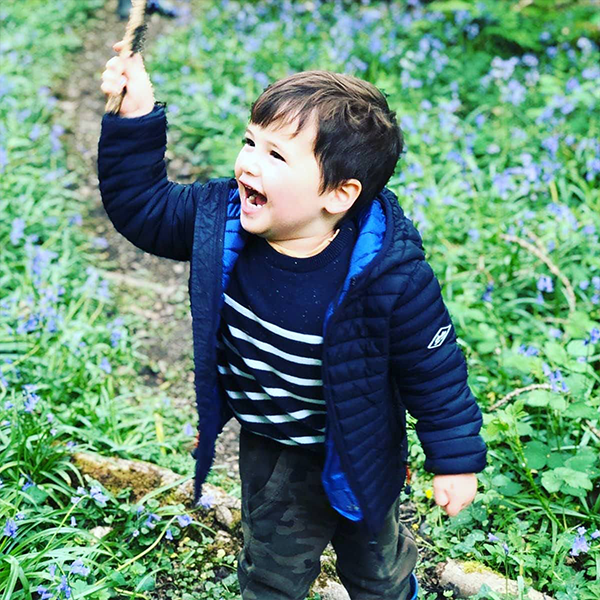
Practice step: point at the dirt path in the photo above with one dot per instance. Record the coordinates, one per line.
(160, 285)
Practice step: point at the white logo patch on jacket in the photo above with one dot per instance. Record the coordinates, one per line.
(439, 337)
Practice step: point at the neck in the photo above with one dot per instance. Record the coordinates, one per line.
(305, 247)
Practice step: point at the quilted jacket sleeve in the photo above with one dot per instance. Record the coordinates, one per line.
(431, 374)
(155, 214)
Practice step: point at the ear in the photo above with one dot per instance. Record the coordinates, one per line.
(343, 197)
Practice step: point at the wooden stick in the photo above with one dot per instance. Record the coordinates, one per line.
(132, 43)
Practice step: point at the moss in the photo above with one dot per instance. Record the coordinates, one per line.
(471, 566)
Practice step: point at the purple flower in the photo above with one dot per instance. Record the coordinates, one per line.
(579, 545)
(188, 429)
(544, 284)
(3, 159)
(64, 587)
(100, 242)
(31, 398)
(79, 569)
(184, 520)
(595, 535)
(98, 496)
(551, 144)
(105, 365)
(593, 338)
(493, 538)
(555, 333)
(43, 592)
(168, 534)
(487, 295)
(10, 529)
(150, 521)
(16, 233)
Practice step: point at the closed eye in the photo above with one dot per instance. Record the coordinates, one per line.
(247, 142)
(277, 155)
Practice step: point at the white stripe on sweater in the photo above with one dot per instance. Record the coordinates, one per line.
(301, 360)
(262, 366)
(286, 333)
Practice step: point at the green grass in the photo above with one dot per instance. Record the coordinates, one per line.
(500, 175)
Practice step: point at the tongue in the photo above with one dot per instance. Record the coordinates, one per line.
(260, 200)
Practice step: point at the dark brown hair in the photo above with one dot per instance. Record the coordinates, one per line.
(357, 133)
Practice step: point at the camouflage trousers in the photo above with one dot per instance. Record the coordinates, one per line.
(287, 522)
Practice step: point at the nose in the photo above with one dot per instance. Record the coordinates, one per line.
(248, 163)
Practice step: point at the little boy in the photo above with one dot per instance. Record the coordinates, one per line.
(316, 321)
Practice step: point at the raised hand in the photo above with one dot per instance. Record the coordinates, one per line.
(129, 74)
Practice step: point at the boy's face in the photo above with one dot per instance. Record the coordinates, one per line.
(284, 171)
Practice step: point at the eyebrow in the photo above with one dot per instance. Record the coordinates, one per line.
(248, 130)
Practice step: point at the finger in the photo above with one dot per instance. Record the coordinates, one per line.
(115, 64)
(440, 496)
(111, 89)
(114, 78)
(118, 46)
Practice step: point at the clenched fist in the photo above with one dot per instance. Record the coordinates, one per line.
(129, 74)
(454, 492)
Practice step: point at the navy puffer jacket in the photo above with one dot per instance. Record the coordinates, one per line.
(389, 343)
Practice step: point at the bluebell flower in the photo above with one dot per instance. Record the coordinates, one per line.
(168, 534)
(188, 429)
(544, 284)
(98, 496)
(595, 535)
(551, 144)
(591, 73)
(572, 84)
(487, 295)
(64, 587)
(530, 60)
(43, 593)
(10, 528)
(596, 282)
(555, 333)
(150, 521)
(73, 522)
(493, 538)
(593, 338)
(52, 570)
(16, 233)
(474, 234)
(78, 568)
(579, 545)
(105, 365)
(184, 520)
(206, 500)
(100, 242)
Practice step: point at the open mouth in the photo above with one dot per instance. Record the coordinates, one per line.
(254, 197)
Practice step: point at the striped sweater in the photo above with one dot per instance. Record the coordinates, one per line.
(270, 339)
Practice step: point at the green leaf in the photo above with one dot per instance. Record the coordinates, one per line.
(577, 348)
(582, 410)
(536, 454)
(539, 398)
(556, 353)
(554, 480)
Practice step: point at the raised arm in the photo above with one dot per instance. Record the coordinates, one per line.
(155, 214)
